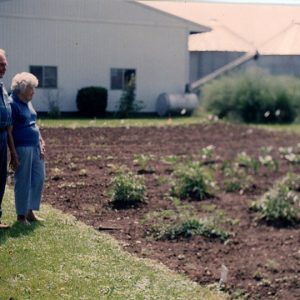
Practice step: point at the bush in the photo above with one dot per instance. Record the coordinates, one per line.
(193, 181)
(92, 101)
(127, 190)
(277, 207)
(253, 96)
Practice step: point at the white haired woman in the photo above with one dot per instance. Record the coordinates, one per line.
(27, 149)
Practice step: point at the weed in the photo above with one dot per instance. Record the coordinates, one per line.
(142, 160)
(94, 157)
(171, 159)
(160, 180)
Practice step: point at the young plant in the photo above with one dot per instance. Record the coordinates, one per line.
(244, 160)
(269, 162)
(277, 207)
(127, 190)
(292, 181)
(236, 178)
(142, 161)
(207, 152)
(193, 227)
(170, 159)
(193, 181)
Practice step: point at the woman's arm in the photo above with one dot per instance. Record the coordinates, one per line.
(14, 160)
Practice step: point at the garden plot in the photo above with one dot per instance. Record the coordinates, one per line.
(201, 199)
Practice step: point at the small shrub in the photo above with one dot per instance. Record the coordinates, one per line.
(92, 101)
(276, 207)
(52, 97)
(128, 104)
(127, 189)
(193, 181)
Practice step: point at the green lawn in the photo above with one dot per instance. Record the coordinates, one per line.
(62, 258)
(292, 128)
(113, 122)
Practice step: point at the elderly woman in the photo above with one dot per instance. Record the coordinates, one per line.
(27, 149)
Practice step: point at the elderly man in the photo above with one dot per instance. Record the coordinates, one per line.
(5, 121)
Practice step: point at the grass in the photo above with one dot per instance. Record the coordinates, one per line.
(290, 128)
(114, 122)
(62, 258)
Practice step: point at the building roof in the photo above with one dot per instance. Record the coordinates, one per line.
(284, 43)
(219, 39)
(254, 23)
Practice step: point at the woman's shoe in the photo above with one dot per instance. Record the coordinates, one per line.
(31, 217)
(22, 220)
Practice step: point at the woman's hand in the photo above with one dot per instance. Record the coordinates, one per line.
(14, 162)
(43, 149)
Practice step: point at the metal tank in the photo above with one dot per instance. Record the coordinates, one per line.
(176, 104)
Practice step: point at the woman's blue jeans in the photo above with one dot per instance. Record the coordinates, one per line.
(29, 180)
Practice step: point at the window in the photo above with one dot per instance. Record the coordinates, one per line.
(119, 78)
(47, 76)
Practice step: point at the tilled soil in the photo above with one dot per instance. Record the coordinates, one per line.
(263, 261)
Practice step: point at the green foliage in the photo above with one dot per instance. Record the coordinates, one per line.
(193, 181)
(92, 101)
(253, 96)
(236, 177)
(292, 181)
(128, 104)
(171, 159)
(142, 161)
(244, 160)
(207, 152)
(277, 206)
(192, 227)
(127, 189)
(52, 97)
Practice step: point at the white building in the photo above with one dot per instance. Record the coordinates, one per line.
(70, 44)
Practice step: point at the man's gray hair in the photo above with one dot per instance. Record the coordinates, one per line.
(22, 80)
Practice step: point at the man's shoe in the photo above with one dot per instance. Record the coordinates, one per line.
(4, 226)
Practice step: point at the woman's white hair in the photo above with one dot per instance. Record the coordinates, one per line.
(2, 52)
(22, 80)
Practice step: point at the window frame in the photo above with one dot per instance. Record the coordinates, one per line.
(119, 84)
(45, 77)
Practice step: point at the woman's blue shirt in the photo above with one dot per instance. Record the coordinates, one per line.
(25, 129)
